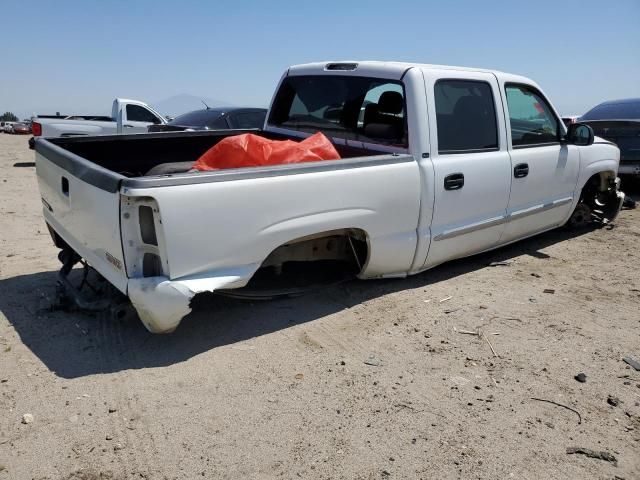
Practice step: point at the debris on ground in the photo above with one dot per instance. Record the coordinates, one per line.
(299, 376)
(606, 456)
(490, 346)
(633, 362)
(581, 377)
(560, 405)
(613, 401)
(27, 418)
(500, 264)
(549, 290)
(481, 334)
(466, 332)
(445, 299)
(373, 361)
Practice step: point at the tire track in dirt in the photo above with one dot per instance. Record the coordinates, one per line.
(139, 452)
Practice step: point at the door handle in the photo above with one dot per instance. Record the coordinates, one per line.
(521, 170)
(455, 181)
(127, 126)
(64, 186)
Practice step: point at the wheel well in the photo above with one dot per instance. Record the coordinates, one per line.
(349, 246)
(599, 199)
(598, 182)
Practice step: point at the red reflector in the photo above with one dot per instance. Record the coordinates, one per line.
(36, 129)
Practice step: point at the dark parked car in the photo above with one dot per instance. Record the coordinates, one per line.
(215, 119)
(619, 122)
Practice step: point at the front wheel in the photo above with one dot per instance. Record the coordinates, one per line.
(600, 201)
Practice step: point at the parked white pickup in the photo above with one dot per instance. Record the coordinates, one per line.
(127, 116)
(437, 163)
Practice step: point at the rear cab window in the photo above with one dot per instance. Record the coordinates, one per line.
(533, 122)
(371, 110)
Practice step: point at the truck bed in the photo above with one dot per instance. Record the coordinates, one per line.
(185, 233)
(133, 156)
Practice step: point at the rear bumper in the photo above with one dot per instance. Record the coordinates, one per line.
(162, 303)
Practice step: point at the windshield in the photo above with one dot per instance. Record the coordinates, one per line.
(360, 108)
(198, 118)
(614, 111)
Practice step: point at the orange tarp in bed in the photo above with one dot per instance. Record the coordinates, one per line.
(248, 150)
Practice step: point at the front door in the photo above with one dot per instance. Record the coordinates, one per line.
(544, 171)
(471, 163)
(137, 119)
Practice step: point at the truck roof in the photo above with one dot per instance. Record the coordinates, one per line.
(388, 69)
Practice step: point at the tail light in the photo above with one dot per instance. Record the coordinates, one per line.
(142, 238)
(36, 129)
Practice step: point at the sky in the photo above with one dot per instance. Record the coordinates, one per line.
(76, 57)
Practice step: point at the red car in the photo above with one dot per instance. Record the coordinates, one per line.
(21, 128)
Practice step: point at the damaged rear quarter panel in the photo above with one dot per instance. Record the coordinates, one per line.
(221, 225)
(162, 303)
(215, 235)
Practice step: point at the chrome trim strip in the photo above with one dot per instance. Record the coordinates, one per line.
(492, 222)
(455, 232)
(539, 208)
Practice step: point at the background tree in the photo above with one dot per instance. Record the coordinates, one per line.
(8, 117)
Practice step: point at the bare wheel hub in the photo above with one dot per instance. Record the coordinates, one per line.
(581, 216)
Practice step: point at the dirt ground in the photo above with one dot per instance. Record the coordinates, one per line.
(363, 380)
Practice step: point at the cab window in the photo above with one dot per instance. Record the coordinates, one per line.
(360, 108)
(136, 113)
(465, 116)
(533, 123)
(248, 119)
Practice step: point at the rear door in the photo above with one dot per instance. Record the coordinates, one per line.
(471, 163)
(136, 119)
(544, 171)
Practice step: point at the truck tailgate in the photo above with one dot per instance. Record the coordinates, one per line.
(85, 215)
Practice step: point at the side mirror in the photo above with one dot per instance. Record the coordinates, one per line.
(580, 134)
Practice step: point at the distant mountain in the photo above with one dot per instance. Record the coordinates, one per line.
(183, 103)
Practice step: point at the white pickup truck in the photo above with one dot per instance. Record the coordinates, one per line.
(437, 163)
(127, 116)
